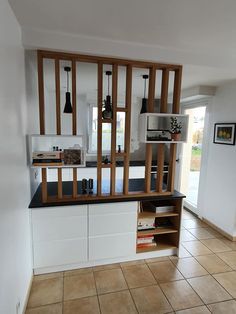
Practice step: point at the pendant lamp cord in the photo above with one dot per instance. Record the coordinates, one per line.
(67, 81)
(144, 88)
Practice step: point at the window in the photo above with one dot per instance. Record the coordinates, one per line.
(106, 132)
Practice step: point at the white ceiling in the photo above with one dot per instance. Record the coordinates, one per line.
(205, 28)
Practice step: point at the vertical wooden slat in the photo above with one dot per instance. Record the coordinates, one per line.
(41, 95)
(161, 146)
(44, 185)
(171, 172)
(59, 183)
(58, 96)
(74, 122)
(42, 120)
(177, 91)
(173, 147)
(160, 165)
(99, 129)
(151, 97)
(113, 130)
(128, 98)
(58, 122)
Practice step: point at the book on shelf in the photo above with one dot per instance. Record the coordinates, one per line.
(146, 245)
(145, 239)
(146, 223)
(155, 208)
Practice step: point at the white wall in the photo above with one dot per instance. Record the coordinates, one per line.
(15, 261)
(218, 203)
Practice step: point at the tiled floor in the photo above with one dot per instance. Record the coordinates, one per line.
(201, 280)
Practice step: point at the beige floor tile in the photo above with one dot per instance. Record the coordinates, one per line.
(78, 271)
(196, 248)
(150, 300)
(195, 310)
(213, 264)
(117, 303)
(228, 281)
(193, 223)
(82, 306)
(185, 235)
(106, 267)
(216, 245)
(165, 271)
(187, 215)
(214, 232)
(46, 309)
(110, 281)
(48, 276)
(202, 233)
(79, 286)
(132, 263)
(209, 289)
(180, 295)
(228, 307)
(189, 267)
(229, 243)
(45, 292)
(229, 258)
(138, 276)
(157, 259)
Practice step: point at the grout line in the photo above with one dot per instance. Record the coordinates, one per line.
(160, 287)
(99, 305)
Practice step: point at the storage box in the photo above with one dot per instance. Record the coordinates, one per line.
(153, 207)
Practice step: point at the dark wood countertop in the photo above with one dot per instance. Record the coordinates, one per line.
(135, 185)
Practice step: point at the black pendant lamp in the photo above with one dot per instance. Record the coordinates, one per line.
(68, 107)
(107, 113)
(144, 100)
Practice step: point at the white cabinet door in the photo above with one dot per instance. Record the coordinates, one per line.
(55, 253)
(60, 235)
(112, 246)
(112, 230)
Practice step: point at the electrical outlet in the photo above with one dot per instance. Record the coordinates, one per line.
(18, 307)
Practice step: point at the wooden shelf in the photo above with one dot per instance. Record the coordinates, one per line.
(150, 214)
(106, 165)
(119, 109)
(56, 166)
(163, 245)
(107, 120)
(157, 231)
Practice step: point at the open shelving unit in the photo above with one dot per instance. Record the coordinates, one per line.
(166, 237)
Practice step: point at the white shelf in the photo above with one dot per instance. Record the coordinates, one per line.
(151, 123)
(39, 142)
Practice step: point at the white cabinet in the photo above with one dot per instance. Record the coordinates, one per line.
(112, 230)
(60, 235)
(65, 235)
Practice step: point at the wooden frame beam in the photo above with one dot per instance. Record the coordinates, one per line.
(99, 130)
(113, 130)
(128, 99)
(151, 97)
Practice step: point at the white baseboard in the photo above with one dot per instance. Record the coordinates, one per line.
(45, 270)
(213, 226)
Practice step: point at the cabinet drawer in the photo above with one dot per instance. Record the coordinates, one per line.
(59, 228)
(112, 246)
(55, 253)
(59, 211)
(112, 223)
(113, 208)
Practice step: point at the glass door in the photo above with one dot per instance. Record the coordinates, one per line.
(192, 156)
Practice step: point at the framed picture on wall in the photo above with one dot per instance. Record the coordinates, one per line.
(224, 133)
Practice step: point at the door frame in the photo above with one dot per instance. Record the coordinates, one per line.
(205, 102)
